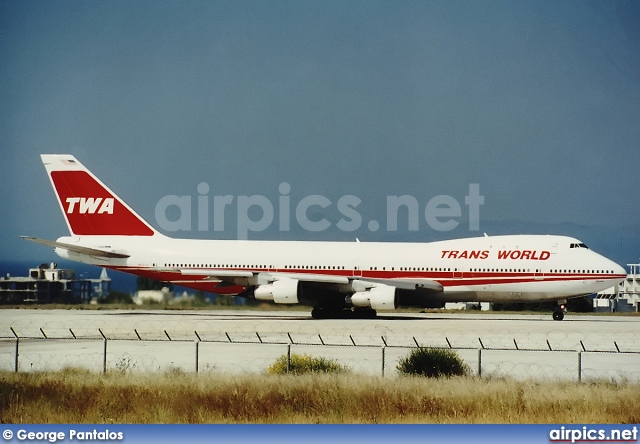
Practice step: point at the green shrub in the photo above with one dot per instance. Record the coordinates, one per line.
(300, 364)
(432, 363)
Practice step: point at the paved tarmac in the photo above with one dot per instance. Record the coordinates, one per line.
(249, 341)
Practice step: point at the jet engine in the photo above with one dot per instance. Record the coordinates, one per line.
(282, 291)
(380, 297)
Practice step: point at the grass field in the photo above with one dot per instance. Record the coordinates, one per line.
(78, 396)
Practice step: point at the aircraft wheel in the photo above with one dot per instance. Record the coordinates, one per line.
(327, 313)
(318, 313)
(370, 313)
(363, 313)
(558, 315)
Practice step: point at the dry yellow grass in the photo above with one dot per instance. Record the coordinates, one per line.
(76, 396)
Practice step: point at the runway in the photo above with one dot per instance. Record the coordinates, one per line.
(496, 330)
(244, 340)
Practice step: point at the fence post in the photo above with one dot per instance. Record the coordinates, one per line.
(579, 366)
(288, 358)
(197, 354)
(17, 348)
(104, 353)
(104, 358)
(384, 348)
(17, 351)
(479, 362)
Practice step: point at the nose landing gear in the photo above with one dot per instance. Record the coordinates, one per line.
(558, 315)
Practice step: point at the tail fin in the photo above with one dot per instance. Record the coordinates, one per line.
(89, 207)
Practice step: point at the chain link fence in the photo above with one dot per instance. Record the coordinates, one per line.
(138, 350)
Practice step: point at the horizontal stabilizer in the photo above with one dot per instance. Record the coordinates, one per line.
(77, 249)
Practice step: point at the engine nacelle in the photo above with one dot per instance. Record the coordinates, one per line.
(283, 291)
(381, 297)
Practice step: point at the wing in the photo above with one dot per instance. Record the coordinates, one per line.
(314, 289)
(419, 285)
(254, 279)
(249, 278)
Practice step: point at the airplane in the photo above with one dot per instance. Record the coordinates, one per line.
(337, 279)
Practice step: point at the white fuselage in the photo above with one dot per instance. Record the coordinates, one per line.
(493, 269)
(333, 277)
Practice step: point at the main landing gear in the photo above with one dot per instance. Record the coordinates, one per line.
(327, 313)
(558, 315)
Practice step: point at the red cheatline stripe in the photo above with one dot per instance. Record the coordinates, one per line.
(445, 278)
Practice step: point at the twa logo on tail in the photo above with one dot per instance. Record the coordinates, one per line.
(89, 207)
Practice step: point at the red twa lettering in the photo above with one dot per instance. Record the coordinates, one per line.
(465, 254)
(524, 255)
(90, 205)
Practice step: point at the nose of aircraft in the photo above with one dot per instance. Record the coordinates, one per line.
(618, 269)
(608, 264)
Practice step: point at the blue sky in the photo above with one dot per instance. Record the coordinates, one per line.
(537, 102)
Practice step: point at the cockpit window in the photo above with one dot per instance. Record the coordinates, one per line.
(580, 245)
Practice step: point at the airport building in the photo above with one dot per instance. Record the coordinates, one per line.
(49, 284)
(623, 297)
